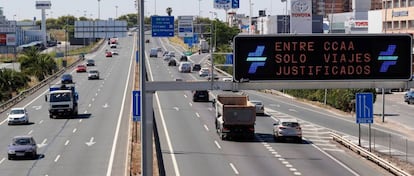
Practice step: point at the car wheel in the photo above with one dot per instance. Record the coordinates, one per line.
(34, 155)
(9, 157)
(299, 140)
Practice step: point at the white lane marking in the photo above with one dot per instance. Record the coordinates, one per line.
(234, 168)
(288, 165)
(93, 99)
(96, 94)
(74, 130)
(80, 120)
(333, 150)
(41, 121)
(198, 115)
(297, 173)
(285, 162)
(30, 132)
(67, 142)
(293, 110)
(190, 104)
(57, 158)
(185, 96)
(176, 108)
(292, 169)
(89, 105)
(85, 112)
(282, 159)
(98, 90)
(205, 126)
(91, 142)
(118, 125)
(217, 144)
(1, 161)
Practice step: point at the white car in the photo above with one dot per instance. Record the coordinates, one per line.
(287, 128)
(114, 52)
(204, 72)
(17, 116)
(93, 74)
(259, 106)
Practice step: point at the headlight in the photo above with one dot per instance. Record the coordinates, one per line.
(12, 152)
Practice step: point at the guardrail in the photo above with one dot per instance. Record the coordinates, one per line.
(370, 156)
(18, 98)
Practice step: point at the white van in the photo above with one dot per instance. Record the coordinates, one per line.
(184, 67)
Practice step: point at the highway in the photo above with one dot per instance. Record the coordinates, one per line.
(190, 145)
(95, 142)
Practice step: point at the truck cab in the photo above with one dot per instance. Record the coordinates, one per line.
(63, 100)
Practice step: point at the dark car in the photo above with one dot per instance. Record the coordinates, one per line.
(154, 52)
(172, 62)
(200, 95)
(22, 146)
(196, 67)
(90, 62)
(183, 58)
(66, 79)
(409, 97)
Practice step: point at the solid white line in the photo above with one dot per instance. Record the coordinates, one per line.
(74, 130)
(234, 169)
(217, 144)
(164, 126)
(333, 150)
(205, 126)
(337, 161)
(67, 142)
(118, 126)
(57, 158)
(30, 132)
(1, 161)
(198, 115)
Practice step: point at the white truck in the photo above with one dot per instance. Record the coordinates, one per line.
(235, 116)
(204, 47)
(63, 100)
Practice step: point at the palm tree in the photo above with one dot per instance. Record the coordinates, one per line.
(169, 11)
(36, 64)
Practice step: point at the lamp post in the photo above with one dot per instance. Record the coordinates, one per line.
(250, 16)
(116, 12)
(99, 9)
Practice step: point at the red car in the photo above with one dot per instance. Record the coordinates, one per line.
(108, 54)
(81, 68)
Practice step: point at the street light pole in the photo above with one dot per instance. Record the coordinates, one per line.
(99, 9)
(250, 16)
(116, 12)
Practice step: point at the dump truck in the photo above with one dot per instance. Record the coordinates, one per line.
(63, 100)
(204, 47)
(235, 116)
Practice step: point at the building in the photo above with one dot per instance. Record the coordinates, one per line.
(324, 7)
(397, 16)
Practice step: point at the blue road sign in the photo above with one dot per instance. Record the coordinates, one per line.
(195, 38)
(162, 26)
(364, 108)
(229, 59)
(136, 105)
(235, 4)
(188, 40)
(137, 56)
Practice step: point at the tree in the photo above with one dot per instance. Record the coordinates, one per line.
(10, 81)
(169, 11)
(36, 64)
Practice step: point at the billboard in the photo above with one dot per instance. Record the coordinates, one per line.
(301, 16)
(11, 39)
(323, 57)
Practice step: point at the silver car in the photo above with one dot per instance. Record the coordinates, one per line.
(259, 106)
(287, 128)
(22, 146)
(17, 116)
(93, 74)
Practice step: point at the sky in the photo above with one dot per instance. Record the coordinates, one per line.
(25, 9)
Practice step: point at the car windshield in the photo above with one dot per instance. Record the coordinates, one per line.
(290, 124)
(17, 111)
(21, 141)
(58, 97)
(93, 71)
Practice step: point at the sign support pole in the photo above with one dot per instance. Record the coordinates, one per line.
(359, 134)
(369, 126)
(147, 118)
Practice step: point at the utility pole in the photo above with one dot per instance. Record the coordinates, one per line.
(99, 9)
